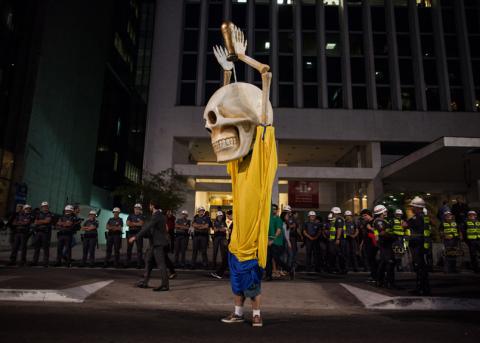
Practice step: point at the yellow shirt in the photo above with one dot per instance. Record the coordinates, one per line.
(252, 181)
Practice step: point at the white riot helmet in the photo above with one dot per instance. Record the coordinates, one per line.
(330, 216)
(379, 209)
(116, 209)
(139, 206)
(336, 210)
(348, 213)
(219, 213)
(417, 202)
(398, 211)
(201, 208)
(425, 211)
(312, 213)
(287, 208)
(185, 212)
(92, 212)
(27, 206)
(44, 203)
(69, 208)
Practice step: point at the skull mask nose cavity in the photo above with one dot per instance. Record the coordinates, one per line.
(212, 117)
(209, 131)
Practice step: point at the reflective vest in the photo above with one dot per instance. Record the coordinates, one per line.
(426, 232)
(397, 227)
(333, 231)
(473, 229)
(450, 230)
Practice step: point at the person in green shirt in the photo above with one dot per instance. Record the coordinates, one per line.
(275, 245)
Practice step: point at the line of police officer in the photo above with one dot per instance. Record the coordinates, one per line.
(40, 225)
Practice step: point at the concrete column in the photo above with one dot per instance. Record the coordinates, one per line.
(202, 53)
(374, 191)
(393, 56)
(227, 9)
(297, 58)
(464, 53)
(274, 51)
(321, 56)
(442, 69)
(346, 74)
(417, 56)
(369, 56)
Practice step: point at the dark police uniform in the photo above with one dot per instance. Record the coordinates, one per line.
(292, 226)
(472, 232)
(371, 248)
(181, 240)
(200, 240)
(20, 236)
(219, 240)
(451, 240)
(416, 224)
(350, 244)
(133, 231)
(114, 240)
(43, 234)
(336, 257)
(312, 246)
(64, 238)
(387, 258)
(90, 239)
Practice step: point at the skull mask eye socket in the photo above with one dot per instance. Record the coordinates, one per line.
(212, 117)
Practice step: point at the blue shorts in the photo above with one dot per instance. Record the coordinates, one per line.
(245, 277)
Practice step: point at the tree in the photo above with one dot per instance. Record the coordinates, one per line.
(166, 187)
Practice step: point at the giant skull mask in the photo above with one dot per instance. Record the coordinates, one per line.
(231, 116)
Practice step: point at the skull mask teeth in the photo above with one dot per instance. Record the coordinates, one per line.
(230, 116)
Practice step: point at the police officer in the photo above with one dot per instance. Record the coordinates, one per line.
(201, 225)
(135, 222)
(219, 238)
(21, 228)
(337, 259)
(182, 228)
(428, 240)
(312, 229)
(451, 236)
(369, 241)
(291, 236)
(43, 233)
(351, 246)
(472, 234)
(90, 239)
(416, 226)
(65, 230)
(398, 230)
(114, 237)
(385, 242)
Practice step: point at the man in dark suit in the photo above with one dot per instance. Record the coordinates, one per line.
(156, 231)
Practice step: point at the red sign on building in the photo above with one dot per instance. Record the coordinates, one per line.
(303, 194)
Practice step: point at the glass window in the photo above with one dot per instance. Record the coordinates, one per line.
(425, 19)
(189, 67)
(355, 18)
(285, 68)
(384, 100)
(430, 72)
(285, 42)
(309, 44)
(408, 99)
(382, 75)
(239, 15)
(448, 21)
(262, 17)
(335, 97)
(451, 46)
(192, 15)
(356, 44)
(334, 70)
(454, 74)
(187, 94)
(285, 95)
(190, 40)
(310, 96)
(401, 19)
(285, 17)
(457, 103)
(406, 71)
(331, 18)
(262, 41)
(215, 16)
(380, 45)
(403, 44)
(214, 38)
(309, 69)
(378, 19)
(210, 88)
(357, 66)
(474, 46)
(473, 24)
(333, 46)
(433, 100)
(476, 72)
(308, 17)
(359, 97)
(428, 49)
(214, 71)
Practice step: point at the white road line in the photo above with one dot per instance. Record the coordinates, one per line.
(377, 301)
(69, 295)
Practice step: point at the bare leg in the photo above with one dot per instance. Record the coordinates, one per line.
(256, 302)
(239, 300)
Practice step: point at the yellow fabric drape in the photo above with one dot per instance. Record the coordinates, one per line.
(252, 181)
